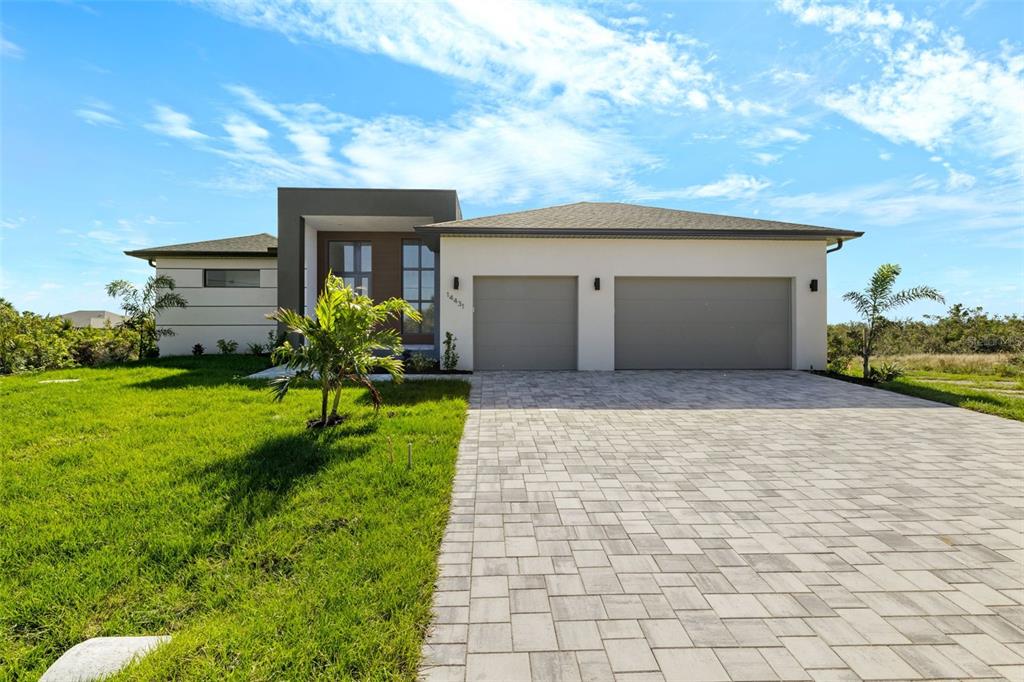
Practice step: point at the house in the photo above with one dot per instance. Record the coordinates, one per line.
(230, 286)
(97, 319)
(588, 286)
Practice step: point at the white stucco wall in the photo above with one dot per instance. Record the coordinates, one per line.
(214, 313)
(467, 257)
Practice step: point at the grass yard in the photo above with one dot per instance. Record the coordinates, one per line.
(983, 383)
(171, 498)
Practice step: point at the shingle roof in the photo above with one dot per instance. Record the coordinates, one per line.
(630, 220)
(261, 244)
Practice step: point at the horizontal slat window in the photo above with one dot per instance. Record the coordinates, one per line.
(240, 279)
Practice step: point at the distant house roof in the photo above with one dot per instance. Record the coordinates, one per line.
(95, 318)
(630, 220)
(253, 245)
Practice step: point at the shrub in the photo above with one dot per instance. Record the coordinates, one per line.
(420, 362)
(257, 349)
(29, 341)
(198, 349)
(842, 348)
(886, 371)
(450, 359)
(92, 347)
(227, 346)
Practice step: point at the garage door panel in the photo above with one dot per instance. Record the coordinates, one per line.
(702, 323)
(524, 323)
(523, 311)
(685, 312)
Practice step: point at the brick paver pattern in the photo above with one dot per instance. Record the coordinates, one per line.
(727, 526)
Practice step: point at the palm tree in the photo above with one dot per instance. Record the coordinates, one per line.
(348, 337)
(141, 306)
(877, 299)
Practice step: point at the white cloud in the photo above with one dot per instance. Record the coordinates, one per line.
(527, 49)
(507, 155)
(885, 156)
(734, 186)
(854, 16)
(932, 97)
(96, 117)
(11, 49)
(766, 159)
(900, 201)
(776, 135)
(959, 180)
(932, 90)
(173, 124)
(782, 76)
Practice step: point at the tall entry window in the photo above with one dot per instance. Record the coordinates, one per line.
(418, 285)
(353, 262)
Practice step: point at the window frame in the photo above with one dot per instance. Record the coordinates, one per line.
(358, 273)
(420, 302)
(207, 285)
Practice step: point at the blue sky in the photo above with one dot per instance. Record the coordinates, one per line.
(137, 124)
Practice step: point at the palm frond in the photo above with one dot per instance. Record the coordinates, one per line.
(860, 302)
(914, 294)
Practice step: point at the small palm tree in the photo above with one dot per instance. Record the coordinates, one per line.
(141, 306)
(347, 338)
(877, 299)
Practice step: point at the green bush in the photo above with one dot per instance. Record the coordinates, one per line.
(227, 346)
(32, 342)
(960, 330)
(420, 362)
(94, 347)
(887, 371)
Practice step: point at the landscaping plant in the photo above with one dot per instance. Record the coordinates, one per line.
(345, 341)
(420, 362)
(198, 349)
(879, 298)
(141, 306)
(450, 359)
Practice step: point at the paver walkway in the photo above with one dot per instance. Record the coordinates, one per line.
(728, 526)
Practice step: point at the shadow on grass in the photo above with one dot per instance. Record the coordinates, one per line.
(256, 483)
(205, 370)
(414, 392)
(969, 400)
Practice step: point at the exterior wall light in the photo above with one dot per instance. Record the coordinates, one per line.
(597, 284)
(814, 285)
(455, 283)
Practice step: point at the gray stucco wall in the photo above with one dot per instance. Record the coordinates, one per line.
(293, 203)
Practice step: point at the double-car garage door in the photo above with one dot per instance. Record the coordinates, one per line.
(660, 323)
(702, 323)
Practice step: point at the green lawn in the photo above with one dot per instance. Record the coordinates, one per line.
(170, 497)
(1001, 395)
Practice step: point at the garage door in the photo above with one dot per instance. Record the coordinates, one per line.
(702, 323)
(524, 322)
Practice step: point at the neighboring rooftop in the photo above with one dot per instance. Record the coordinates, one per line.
(92, 318)
(631, 220)
(261, 244)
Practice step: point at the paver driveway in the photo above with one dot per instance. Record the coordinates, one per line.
(728, 525)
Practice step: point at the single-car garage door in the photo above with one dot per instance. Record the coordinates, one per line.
(524, 323)
(702, 323)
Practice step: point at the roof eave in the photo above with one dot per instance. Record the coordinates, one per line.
(147, 254)
(830, 235)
